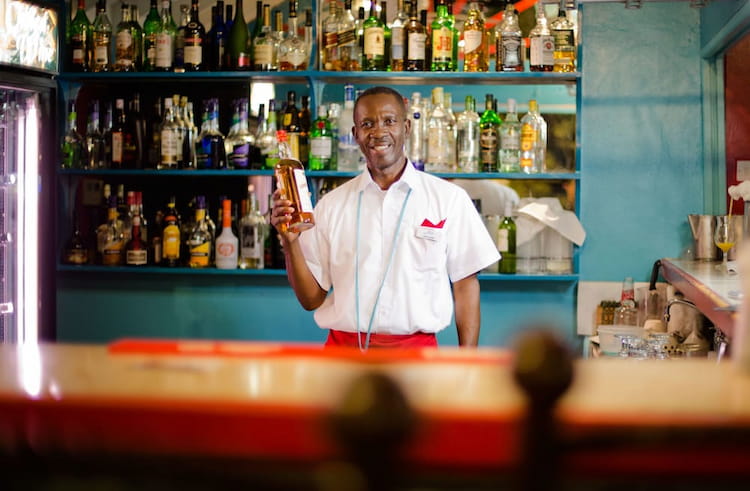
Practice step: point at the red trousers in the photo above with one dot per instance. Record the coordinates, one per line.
(417, 340)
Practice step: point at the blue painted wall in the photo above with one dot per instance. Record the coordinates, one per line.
(641, 167)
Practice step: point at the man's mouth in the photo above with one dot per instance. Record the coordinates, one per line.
(380, 145)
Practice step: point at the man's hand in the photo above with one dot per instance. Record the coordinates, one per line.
(281, 215)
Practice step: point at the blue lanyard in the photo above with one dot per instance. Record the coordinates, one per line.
(385, 273)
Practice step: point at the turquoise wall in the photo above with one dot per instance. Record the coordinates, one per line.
(641, 168)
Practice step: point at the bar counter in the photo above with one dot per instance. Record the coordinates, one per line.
(268, 406)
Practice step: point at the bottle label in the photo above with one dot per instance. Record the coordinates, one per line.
(502, 240)
(164, 50)
(330, 40)
(171, 242)
(374, 42)
(346, 37)
(112, 253)
(321, 147)
(510, 141)
(136, 258)
(193, 54)
(305, 203)
(225, 250)
(168, 147)
(542, 50)
(510, 51)
(416, 46)
(101, 55)
(263, 54)
(528, 140)
(296, 57)
(239, 156)
(243, 60)
(488, 146)
(397, 43)
(252, 242)
(442, 44)
(117, 147)
(472, 40)
(123, 41)
(199, 254)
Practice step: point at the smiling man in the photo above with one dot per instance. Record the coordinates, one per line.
(394, 249)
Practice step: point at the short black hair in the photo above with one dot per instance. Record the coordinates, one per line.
(381, 89)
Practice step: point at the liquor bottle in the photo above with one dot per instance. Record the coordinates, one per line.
(153, 128)
(416, 36)
(476, 54)
(293, 54)
(467, 141)
(416, 150)
(95, 149)
(253, 232)
(452, 130)
(110, 244)
(291, 180)
(386, 34)
(137, 35)
(76, 250)
(440, 136)
(256, 159)
(209, 145)
(542, 143)
(239, 55)
(489, 140)
(510, 141)
(101, 40)
(348, 148)
(321, 142)
(141, 216)
(374, 47)
(165, 39)
(398, 37)
(627, 312)
(190, 134)
(257, 22)
(442, 40)
(268, 144)
(227, 244)
(73, 149)
(506, 243)
(239, 140)
(348, 46)
(265, 46)
(278, 31)
(171, 236)
(136, 251)
(150, 28)
(168, 138)
(181, 129)
(123, 143)
(199, 239)
(195, 38)
(360, 35)
(80, 37)
(428, 39)
(107, 133)
(530, 141)
(329, 52)
(563, 31)
(216, 40)
(508, 43)
(178, 65)
(542, 50)
(228, 20)
(139, 130)
(305, 125)
(291, 125)
(307, 31)
(125, 55)
(454, 37)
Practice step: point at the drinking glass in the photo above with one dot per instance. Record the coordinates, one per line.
(724, 238)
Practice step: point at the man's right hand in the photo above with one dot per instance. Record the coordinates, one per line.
(281, 215)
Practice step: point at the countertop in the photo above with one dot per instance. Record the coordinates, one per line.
(266, 402)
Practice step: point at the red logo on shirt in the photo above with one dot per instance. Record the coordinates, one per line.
(427, 223)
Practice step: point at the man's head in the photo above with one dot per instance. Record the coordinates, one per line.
(381, 127)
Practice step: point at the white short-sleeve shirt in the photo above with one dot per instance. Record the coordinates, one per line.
(441, 240)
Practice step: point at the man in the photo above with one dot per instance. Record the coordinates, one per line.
(388, 244)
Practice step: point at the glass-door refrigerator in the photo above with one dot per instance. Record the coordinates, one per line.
(28, 155)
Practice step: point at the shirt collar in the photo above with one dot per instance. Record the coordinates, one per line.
(409, 178)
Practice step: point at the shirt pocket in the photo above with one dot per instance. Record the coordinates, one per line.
(431, 253)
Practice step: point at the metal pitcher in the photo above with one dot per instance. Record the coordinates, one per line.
(702, 227)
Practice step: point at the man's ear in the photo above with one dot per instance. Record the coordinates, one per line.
(407, 122)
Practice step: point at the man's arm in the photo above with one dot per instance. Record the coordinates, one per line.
(466, 299)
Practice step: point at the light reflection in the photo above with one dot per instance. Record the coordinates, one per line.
(28, 35)
(29, 362)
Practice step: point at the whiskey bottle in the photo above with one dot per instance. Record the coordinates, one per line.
(542, 44)
(489, 125)
(150, 28)
(227, 244)
(101, 60)
(168, 138)
(291, 180)
(125, 43)
(165, 39)
(508, 43)
(563, 31)
(476, 56)
(195, 39)
(442, 40)
(291, 124)
(265, 45)
(293, 54)
(416, 37)
(199, 239)
(374, 47)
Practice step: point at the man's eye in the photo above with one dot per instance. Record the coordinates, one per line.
(365, 125)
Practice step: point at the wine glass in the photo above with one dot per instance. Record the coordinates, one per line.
(724, 238)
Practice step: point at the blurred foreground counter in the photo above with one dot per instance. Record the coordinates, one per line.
(201, 414)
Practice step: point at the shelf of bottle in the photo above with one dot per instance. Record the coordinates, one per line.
(427, 78)
(312, 173)
(276, 272)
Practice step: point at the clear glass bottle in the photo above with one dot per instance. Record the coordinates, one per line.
(452, 131)
(195, 39)
(253, 232)
(467, 143)
(542, 146)
(165, 37)
(150, 28)
(476, 54)
(440, 136)
(348, 148)
(509, 43)
(321, 141)
(416, 38)
(95, 148)
(209, 146)
(374, 56)
(563, 31)
(101, 40)
(627, 312)
(442, 39)
(348, 47)
(416, 150)
(125, 55)
(73, 148)
(398, 37)
(265, 45)
(291, 180)
(489, 137)
(542, 44)
(530, 141)
(76, 250)
(189, 135)
(268, 144)
(510, 140)
(199, 241)
(293, 54)
(227, 244)
(168, 138)
(329, 52)
(80, 38)
(239, 140)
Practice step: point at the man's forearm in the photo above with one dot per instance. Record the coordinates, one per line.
(305, 286)
(468, 317)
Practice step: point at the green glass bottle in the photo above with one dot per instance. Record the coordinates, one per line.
(321, 142)
(374, 46)
(80, 38)
(442, 40)
(506, 244)
(150, 27)
(165, 38)
(489, 137)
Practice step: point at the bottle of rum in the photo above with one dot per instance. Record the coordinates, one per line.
(508, 43)
(542, 44)
(291, 180)
(476, 55)
(199, 239)
(195, 40)
(80, 38)
(467, 142)
(253, 231)
(101, 40)
(510, 140)
(291, 124)
(416, 36)
(227, 244)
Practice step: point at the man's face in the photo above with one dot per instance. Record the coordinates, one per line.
(380, 128)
